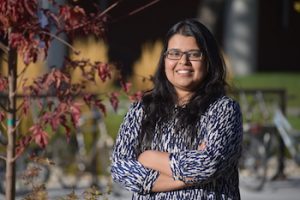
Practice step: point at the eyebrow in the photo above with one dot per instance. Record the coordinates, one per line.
(184, 51)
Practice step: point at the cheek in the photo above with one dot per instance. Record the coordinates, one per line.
(201, 69)
(169, 67)
(169, 64)
(169, 73)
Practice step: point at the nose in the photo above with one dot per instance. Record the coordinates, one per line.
(184, 59)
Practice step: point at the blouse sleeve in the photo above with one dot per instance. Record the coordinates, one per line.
(223, 146)
(125, 168)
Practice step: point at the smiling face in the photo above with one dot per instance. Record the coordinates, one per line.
(184, 74)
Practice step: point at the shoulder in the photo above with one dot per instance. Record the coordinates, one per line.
(136, 108)
(224, 103)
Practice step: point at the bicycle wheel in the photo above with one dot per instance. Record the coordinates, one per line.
(253, 163)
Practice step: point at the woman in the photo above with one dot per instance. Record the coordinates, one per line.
(183, 139)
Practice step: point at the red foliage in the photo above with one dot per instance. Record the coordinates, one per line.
(40, 136)
(2, 116)
(114, 100)
(27, 26)
(28, 29)
(93, 100)
(136, 96)
(3, 83)
(23, 143)
(103, 71)
(125, 86)
(75, 113)
(76, 19)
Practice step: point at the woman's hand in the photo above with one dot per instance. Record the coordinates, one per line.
(202, 146)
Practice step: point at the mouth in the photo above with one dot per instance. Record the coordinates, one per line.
(184, 71)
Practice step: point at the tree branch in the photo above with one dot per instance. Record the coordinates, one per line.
(3, 157)
(61, 40)
(137, 10)
(143, 7)
(4, 47)
(3, 107)
(20, 106)
(99, 16)
(3, 126)
(108, 9)
(23, 71)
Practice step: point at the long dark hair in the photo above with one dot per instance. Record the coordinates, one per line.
(159, 103)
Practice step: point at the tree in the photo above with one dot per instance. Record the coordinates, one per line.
(25, 32)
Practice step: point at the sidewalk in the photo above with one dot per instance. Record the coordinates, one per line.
(288, 189)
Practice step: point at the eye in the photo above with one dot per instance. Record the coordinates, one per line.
(195, 54)
(174, 53)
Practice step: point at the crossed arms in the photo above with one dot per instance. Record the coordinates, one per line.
(155, 171)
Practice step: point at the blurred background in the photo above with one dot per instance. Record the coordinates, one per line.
(260, 40)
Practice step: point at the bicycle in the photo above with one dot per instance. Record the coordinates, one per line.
(262, 143)
(79, 162)
(290, 136)
(252, 166)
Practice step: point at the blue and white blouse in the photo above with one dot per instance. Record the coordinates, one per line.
(213, 170)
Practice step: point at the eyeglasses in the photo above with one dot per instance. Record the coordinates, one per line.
(192, 55)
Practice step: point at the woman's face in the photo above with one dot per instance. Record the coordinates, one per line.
(184, 72)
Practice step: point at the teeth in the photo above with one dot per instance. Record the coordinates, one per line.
(183, 71)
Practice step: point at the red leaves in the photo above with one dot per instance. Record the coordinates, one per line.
(136, 96)
(77, 20)
(60, 114)
(92, 100)
(104, 71)
(72, 16)
(125, 86)
(75, 113)
(3, 83)
(39, 135)
(114, 100)
(23, 143)
(2, 116)
(3, 87)
(25, 106)
(58, 117)
(28, 27)
(19, 23)
(27, 46)
(56, 79)
(15, 12)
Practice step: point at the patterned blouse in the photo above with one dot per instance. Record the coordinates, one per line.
(213, 170)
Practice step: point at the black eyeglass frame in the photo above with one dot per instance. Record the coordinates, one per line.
(187, 53)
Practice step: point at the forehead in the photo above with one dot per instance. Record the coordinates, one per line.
(182, 42)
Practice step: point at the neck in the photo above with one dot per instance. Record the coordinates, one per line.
(184, 99)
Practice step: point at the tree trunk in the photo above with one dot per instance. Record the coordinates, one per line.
(10, 177)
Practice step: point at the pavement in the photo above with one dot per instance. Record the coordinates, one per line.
(288, 189)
